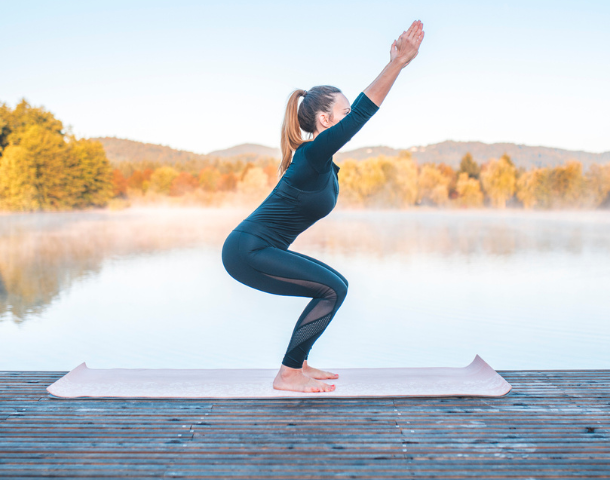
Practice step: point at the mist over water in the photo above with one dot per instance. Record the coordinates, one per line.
(146, 288)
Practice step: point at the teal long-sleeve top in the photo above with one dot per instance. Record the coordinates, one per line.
(309, 188)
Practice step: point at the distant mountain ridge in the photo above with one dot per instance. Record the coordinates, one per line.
(247, 148)
(450, 152)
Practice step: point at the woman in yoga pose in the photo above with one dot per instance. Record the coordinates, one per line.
(256, 252)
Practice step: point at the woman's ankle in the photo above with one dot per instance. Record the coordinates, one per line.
(286, 371)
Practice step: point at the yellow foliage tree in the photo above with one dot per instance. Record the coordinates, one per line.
(94, 173)
(34, 172)
(382, 181)
(499, 181)
(469, 191)
(14, 123)
(349, 179)
(208, 179)
(405, 180)
(567, 184)
(561, 186)
(41, 168)
(433, 185)
(597, 184)
(528, 186)
(254, 182)
(372, 178)
(162, 178)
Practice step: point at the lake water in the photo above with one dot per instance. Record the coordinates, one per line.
(146, 288)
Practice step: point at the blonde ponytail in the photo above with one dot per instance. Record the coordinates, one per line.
(291, 130)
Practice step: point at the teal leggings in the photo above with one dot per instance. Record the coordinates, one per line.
(258, 264)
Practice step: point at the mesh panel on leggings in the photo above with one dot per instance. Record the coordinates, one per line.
(326, 295)
(312, 324)
(309, 330)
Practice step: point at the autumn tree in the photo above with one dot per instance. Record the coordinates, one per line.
(94, 173)
(43, 168)
(147, 174)
(227, 181)
(208, 179)
(597, 182)
(162, 178)
(567, 183)
(506, 157)
(433, 185)
(379, 181)
(469, 166)
(139, 180)
(469, 191)
(451, 175)
(350, 186)
(558, 187)
(399, 189)
(271, 171)
(14, 123)
(530, 187)
(34, 172)
(498, 179)
(405, 178)
(136, 180)
(253, 182)
(119, 184)
(183, 183)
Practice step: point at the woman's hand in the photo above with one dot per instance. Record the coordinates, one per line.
(406, 47)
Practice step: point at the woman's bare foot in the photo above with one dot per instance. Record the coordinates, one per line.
(295, 380)
(316, 373)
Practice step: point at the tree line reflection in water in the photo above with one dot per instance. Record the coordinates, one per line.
(43, 254)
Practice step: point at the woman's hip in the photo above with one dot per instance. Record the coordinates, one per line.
(237, 250)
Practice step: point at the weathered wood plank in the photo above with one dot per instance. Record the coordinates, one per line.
(553, 424)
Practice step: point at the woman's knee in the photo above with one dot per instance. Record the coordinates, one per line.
(340, 289)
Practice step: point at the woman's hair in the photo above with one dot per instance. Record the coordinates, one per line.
(303, 117)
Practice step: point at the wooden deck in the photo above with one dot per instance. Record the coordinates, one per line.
(553, 424)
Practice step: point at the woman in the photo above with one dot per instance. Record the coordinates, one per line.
(256, 252)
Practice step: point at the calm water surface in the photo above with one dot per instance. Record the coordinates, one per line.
(146, 288)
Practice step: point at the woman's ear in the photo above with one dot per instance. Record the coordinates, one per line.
(324, 120)
(327, 121)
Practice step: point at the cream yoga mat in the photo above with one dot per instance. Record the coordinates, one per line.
(477, 379)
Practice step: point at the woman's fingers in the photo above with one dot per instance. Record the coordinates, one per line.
(408, 31)
(411, 35)
(415, 32)
(407, 45)
(420, 39)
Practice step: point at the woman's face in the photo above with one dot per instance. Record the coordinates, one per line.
(340, 109)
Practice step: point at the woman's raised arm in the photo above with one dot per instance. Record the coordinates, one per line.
(402, 52)
(319, 151)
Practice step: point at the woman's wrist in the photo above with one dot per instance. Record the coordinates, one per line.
(399, 62)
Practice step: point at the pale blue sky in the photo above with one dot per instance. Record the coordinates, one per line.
(206, 75)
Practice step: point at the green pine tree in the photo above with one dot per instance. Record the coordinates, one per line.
(469, 166)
